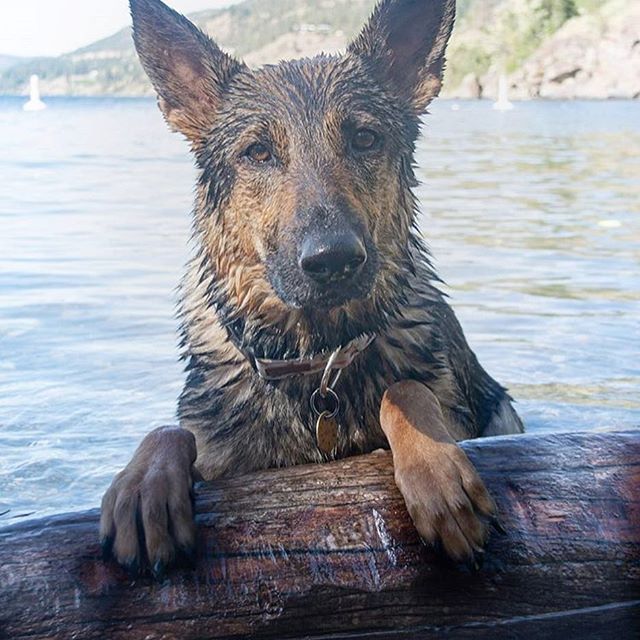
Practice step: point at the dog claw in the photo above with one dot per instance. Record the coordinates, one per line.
(435, 545)
(478, 560)
(106, 545)
(497, 525)
(132, 568)
(470, 565)
(159, 571)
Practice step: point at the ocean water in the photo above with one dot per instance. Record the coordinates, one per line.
(533, 217)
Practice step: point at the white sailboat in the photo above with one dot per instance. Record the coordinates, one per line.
(34, 103)
(502, 103)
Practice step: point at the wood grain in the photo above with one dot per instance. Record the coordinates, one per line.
(329, 550)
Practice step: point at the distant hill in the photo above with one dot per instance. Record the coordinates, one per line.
(516, 37)
(9, 61)
(256, 30)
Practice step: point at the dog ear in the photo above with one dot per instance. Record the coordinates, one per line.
(405, 41)
(187, 69)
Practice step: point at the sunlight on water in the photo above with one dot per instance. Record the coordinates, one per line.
(532, 216)
(549, 296)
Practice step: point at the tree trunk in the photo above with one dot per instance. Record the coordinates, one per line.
(329, 550)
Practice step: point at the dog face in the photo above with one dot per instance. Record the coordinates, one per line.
(304, 204)
(313, 161)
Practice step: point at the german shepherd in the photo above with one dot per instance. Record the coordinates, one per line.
(309, 268)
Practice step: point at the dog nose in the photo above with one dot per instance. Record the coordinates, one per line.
(330, 258)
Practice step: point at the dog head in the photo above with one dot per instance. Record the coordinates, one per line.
(304, 205)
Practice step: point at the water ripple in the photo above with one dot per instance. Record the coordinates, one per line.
(532, 215)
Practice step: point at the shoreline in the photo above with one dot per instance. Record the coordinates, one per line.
(448, 98)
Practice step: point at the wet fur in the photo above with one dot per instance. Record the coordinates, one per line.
(243, 423)
(243, 284)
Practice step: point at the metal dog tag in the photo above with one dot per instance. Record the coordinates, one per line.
(326, 433)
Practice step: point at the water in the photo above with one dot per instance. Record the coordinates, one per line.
(533, 216)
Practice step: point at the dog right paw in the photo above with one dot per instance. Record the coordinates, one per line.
(147, 513)
(447, 501)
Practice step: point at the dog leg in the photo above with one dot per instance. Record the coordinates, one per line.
(443, 492)
(150, 503)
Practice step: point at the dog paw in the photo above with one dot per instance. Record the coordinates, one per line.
(447, 501)
(147, 513)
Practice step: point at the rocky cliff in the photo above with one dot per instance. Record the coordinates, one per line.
(591, 56)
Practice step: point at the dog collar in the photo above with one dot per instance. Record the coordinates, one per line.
(337, 360)
(324, 401)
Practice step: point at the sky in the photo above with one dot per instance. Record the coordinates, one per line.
(52, 27)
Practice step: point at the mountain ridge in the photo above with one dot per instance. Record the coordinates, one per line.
(517, 38)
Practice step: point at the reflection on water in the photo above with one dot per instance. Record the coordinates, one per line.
(532, 216)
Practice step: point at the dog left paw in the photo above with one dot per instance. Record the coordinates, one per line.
(447, 500)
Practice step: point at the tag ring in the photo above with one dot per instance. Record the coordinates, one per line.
(331, 394)
(325, 387)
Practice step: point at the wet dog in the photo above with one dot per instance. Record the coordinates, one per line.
(312, 325)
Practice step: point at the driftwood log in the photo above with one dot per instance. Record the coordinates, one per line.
(329, 550)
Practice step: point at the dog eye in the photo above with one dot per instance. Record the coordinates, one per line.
(258, 153)
(365, 140)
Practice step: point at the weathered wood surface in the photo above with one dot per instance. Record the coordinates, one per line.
(330, 551)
